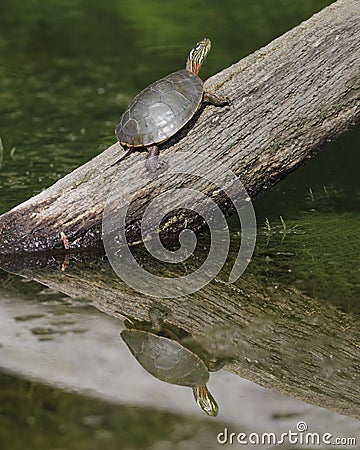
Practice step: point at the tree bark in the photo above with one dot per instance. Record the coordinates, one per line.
(288, 100)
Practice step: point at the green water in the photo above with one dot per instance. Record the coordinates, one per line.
(67, 71)
(310, 226)
(47, 416)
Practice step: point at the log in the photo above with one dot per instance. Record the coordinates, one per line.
(288, 100)
(276, 336)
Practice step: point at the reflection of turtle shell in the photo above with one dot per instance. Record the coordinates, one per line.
(166, 359)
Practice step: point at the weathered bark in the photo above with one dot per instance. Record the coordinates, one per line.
(277, 337)
(288, 99)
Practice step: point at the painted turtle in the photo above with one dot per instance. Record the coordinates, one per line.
(170, 361)
(164, 107)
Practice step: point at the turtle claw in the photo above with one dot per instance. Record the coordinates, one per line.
(215, 100)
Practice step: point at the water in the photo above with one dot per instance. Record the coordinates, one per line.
(67, 71)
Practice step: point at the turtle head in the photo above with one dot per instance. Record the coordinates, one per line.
(205, 400)
(197, 55)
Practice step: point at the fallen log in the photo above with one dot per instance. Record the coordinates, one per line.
(288, 100)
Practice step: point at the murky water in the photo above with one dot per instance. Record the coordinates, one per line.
(67, 71)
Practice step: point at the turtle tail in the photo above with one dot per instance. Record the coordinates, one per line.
(125, 155)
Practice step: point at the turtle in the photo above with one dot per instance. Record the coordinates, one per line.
(169, 360)
(163, 108)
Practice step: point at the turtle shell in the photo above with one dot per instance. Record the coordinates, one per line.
(160, 110)
(166, 359)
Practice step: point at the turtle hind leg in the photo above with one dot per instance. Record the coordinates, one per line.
(153, 163)
(153, 151)
(209, 97)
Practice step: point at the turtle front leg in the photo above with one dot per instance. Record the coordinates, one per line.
(209, 97)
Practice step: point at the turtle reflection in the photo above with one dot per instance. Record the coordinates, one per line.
(161, 351)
